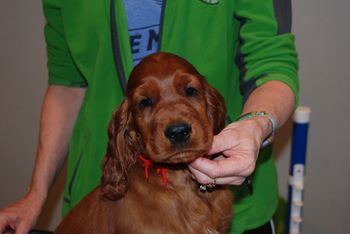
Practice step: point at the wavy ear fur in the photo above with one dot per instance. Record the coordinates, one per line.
(121, 153)
(216, 109)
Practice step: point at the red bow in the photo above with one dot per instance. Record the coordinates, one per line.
(160, 170)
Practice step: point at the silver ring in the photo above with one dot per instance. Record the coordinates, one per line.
(210, 186)
(202, 188)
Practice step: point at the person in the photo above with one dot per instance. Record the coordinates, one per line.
(243, 47)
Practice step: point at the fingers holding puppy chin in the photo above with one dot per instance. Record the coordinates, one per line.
(204, 179)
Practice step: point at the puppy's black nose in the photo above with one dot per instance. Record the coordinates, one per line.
(178, 134)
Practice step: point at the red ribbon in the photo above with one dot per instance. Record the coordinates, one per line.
(159, 170)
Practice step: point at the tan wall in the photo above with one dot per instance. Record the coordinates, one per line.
(323, 36)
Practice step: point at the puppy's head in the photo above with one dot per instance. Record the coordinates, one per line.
(174, 109)
(170, 114)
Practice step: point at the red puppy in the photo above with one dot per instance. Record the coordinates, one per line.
(167, 119)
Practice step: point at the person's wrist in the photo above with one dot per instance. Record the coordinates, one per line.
(264, 122)
(37, 196)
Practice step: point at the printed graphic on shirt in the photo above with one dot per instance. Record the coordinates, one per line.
(143, 19)
(211, 1)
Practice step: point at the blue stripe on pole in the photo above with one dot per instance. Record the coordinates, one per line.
(299, 144)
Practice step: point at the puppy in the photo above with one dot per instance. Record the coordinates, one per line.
(167, 119)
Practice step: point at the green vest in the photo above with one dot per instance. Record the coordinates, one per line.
(237, 45)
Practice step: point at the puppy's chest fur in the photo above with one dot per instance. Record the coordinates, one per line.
(178, 207)
(157, 205)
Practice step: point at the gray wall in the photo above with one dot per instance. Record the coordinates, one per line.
(323, 33)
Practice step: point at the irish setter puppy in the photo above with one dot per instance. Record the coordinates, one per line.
(167, 119)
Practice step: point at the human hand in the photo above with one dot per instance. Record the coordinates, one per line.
(21, 216)
(237, 147)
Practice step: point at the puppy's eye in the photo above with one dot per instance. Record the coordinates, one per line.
(190, 91)
(146, 102)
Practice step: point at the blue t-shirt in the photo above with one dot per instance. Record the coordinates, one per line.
(143, 17)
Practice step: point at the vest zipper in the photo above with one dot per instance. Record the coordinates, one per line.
(161, 25)
(116, 50)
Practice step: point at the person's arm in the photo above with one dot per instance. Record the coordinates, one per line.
(268, 63)
(59, 112)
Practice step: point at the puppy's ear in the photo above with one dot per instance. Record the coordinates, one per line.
(121, 153)
(216, 109)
